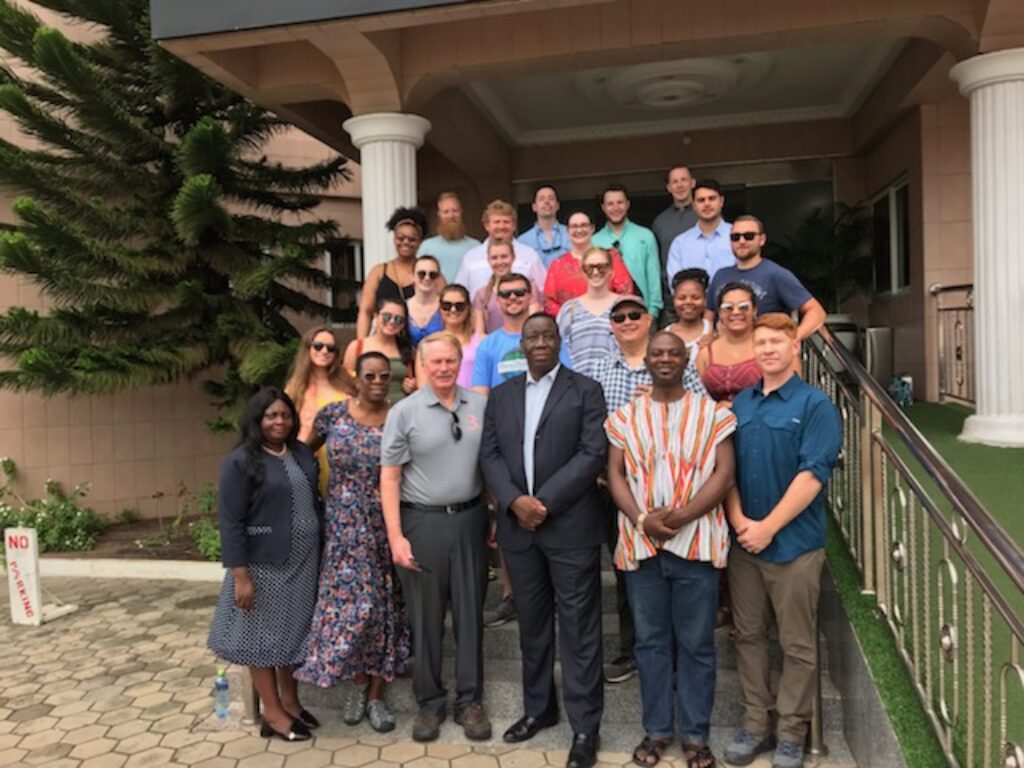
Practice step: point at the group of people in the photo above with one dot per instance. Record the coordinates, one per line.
(517, 395)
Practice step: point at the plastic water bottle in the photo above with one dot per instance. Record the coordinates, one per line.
(221, 695)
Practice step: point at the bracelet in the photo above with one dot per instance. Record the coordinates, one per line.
(640, 522)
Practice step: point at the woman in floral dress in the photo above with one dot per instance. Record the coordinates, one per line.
(360, 633)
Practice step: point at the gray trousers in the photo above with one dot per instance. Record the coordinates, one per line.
(453, 551)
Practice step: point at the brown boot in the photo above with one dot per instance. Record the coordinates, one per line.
(474, 722)
(428, 724)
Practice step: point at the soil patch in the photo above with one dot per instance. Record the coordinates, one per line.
(141, 540)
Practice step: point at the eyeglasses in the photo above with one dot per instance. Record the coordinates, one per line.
(453, 306)
(579, 226)
(518, 292)
(406, 239)
(456, 429)
(633, 314)
(743, 307)
(424, 274)
(389, 318)
(596, 269)
(319, 346)
(382, 376)
(748, 236)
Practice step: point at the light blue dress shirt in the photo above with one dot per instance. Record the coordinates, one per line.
(536, 397)
(693, 249)
(537, 238)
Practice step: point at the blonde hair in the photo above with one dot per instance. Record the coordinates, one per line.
(498, 208)
(467, 324)
(299, 373)
(492, 282)
(446, 337)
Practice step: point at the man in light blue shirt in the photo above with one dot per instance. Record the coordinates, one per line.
(451, 242)
(636, 245)
(548, 236)
(705, 246)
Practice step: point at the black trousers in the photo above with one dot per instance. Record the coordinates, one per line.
(568, 581)
(454, 550)
(627, 633)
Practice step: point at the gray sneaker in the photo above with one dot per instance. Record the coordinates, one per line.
(788, 754)
(353, 706)
(747, 745)
(380, 717)
(503, 614)
(620, 670)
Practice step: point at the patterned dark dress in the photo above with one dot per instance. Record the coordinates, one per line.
(275, 633)
(360, 624)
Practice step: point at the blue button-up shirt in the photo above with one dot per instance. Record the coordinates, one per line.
(791, 430)
(537, 392)
(693, 249)
(537, 238)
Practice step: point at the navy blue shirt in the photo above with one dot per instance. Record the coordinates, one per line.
(791, 430)
(775, 287)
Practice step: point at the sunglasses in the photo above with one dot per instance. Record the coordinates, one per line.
(388, 317)
(456, 429)
(518, 292)
(748, 236)
(743, 307)
(596, 269)
(633, 314)
(371, 376)
(424, 274)
(453, 306)
(319, 346)
(406, 239)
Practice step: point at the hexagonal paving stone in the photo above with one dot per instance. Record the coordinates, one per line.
(281, 747)
(126, 727)
(332, 744)
(150, 758)
(142, 689)
(196, 753)
(171, 722)
(30, 712)
(74, 708)
(11, 756)
(40, 740)
(402, 752)
(28, 727)
(523, 758)
(84, 734)
(112, 704)
(152, 699)
(109, 760)
(182, 738)
(64, 697)
(447, 751)
(263, 760)
(22, 689)
(76, 721)
(216, 762)
(311, 758)
(48, 754)
(9, 740)
(244, 747)
(93, 748)
(475, 761)
(356, 755)
(428, 762)
(137, 743)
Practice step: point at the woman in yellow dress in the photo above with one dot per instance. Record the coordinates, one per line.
(315, 380)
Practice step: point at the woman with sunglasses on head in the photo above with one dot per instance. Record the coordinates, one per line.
(565, 278)
(690, 301)
(487, 316)
(269, 513)
(316, 378)
(584, 322)
(391, 337)
(393, 279)
(424, 306)
(359, 634)
(726, 365)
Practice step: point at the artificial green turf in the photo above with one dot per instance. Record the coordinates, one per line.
(913, 730)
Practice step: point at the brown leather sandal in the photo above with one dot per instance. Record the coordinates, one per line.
(649, 751)
(699, 756)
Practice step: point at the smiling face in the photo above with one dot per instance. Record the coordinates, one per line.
(372, 380)
(541, 344)
(449, 210)
(736, 311)
(426, 273)
(666, 359)
(630, 323)
(615, 206)
(746, 239)
(689, 300)
(514, 298)
(774, 351)
(441, 362)
(323, 350)
(707, 204)
(391, 318)
(597, 267)
(407, 240)
(277, 423)
(545, 203)
(454, 308)
(580, 229)
(680, 186)
(500, 226)
(501, 257)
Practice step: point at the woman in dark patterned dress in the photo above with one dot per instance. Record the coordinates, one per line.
(360, 633)
(269, 513)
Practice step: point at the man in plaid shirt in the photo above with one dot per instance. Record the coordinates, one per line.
(623, 375)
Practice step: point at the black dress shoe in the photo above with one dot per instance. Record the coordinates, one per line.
(298, 732)
(525, 728)
(583, 753)
(307, 719)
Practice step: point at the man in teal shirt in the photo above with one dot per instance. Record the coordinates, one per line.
(451, 242)
(637, 245)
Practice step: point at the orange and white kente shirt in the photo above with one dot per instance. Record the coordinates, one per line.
(669, 452)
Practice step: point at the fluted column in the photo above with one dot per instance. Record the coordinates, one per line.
(387, 142)
(994, 83)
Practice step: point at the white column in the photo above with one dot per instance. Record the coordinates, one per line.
(994, 83)
(387, 142)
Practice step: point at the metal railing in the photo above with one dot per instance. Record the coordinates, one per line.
(954, 306)
(948, 579)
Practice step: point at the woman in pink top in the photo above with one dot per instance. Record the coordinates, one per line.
(487, 316)
(565, 278)
(726, 365)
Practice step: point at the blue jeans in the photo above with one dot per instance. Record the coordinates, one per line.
(674, 602)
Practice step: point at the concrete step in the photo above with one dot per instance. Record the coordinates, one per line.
(503, 697)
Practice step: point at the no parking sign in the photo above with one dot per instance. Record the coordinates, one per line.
(23, 579)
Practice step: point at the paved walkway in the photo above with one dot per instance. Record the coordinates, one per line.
(125, 683)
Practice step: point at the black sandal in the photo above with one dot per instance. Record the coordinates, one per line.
(699, 756)
(650, 748)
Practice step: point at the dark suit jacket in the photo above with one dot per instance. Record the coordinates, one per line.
(570, 452)
(257, 528)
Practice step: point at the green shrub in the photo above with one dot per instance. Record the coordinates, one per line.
(61, 523)
(204, 531)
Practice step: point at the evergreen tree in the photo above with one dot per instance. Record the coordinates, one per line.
(165, 244)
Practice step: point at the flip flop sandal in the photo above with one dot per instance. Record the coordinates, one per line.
(648, 752)
(699, 756)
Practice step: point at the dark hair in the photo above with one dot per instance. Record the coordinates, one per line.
(693, 274)
(425, 257)
(544, 186)
(459, 288)
(402, 340)
(514, 277)
(413, 216)
(684, 166)
(711, 184)
(372, 355)
(738, 286)
(251, 433)
(614, 187)
(544, 316)
(580, 212)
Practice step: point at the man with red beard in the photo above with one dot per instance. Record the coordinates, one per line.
(451, 240)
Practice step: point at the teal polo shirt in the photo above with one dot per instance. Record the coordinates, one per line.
(639, 250)
(779, 435)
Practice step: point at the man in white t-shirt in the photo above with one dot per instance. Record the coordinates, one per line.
(499, 220)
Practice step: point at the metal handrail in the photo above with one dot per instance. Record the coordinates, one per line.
(1005, 551)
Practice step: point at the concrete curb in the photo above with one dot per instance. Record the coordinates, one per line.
(98, 568)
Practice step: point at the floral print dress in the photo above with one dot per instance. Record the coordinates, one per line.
(360, 624)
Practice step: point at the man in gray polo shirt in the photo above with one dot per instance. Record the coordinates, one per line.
(437, 524)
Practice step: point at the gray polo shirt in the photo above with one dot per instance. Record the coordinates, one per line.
(436, 470)
(670, 224)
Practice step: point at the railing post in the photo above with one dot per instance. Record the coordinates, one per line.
(870, 482)
(815, 736)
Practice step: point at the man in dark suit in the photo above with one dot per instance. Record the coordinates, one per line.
(542, 450)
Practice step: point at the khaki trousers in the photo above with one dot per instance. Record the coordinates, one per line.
(790, 590)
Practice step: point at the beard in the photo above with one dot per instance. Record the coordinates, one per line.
(451, 230)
